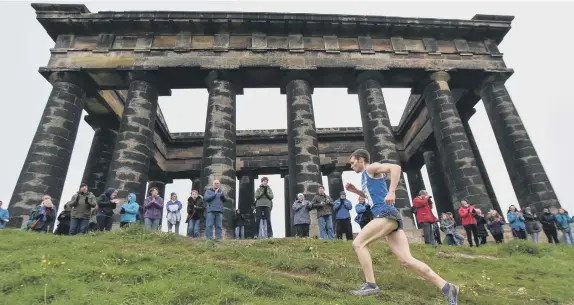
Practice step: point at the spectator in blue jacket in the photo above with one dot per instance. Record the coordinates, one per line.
(4, 216)
(343, 217)
(563, 222)
(214, 198)
(129, 211)
(516, 221)
(364, 214)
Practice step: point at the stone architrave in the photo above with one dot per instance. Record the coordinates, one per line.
(528, 177)
(219, 151)
(46, 165)
(304, 165)
(458, 162)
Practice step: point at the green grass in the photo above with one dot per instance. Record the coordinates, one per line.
(137, 267)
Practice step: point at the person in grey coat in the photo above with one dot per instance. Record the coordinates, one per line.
(301, 217)
(532, 225)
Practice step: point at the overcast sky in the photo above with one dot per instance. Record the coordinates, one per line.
(537, 47)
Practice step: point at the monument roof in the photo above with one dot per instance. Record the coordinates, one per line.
(77, 19)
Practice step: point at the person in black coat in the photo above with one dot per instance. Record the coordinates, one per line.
(480, 226)
(547, 219)
(64, 220)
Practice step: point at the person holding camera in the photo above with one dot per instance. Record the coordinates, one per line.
(423, 204)
(107, 203)
(301, 217)
(264, 204)
(467, 215)
(129, 211)
(81, 203)
(324, 206)
(364, 214)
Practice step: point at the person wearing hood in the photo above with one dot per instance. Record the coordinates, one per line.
(173, 216)
(82, 204)
(563, 222)
(532, 225)
(516, 221)
(107, 203)
(44, 217)
(301, 217)
(153, 207)
(64, 220)
(343, 217)
(364, 214)
(129, 211)
(195, 213)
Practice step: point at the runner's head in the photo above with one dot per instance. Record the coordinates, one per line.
(359, 160)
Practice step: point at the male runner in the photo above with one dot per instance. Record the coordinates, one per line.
(387, 223)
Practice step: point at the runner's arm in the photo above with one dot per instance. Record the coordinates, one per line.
(386, 168)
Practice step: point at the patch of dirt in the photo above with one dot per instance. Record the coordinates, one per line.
(467, 255)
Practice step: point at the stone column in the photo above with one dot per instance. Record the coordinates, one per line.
(480, 163)
(134, 146)
(529, 179)
(246, 200)
(196, 185)
(304, 164)
(219, 151)
(416, 182)
(46, 165)
(105, 136)
(379, 138)
(442, 199)
(287, 207)
(335, 178)
(461, 172)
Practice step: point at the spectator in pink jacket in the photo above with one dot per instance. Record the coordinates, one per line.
(467, 215)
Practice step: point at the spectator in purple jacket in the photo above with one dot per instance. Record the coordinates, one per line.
(153, 207)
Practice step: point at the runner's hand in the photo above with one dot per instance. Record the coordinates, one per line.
(350, 187)
(390, 198)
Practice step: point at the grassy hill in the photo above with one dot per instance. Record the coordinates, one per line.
(137, 267)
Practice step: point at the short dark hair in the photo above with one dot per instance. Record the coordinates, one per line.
(151, 190)
(361, 153)
(264, 179)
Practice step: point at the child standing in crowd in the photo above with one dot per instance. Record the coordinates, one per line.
(195, 213)
(173, 216)
(495, 225)
(447, 224)
(129, 211)
(64, 220)
(239, 225)
(481, 226)
(532, 225)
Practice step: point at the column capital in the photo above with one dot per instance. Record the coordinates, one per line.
(331, 169)
(150, 75)
(362, 76)
(249, 174)
(498, 78)
(108, 120)
(224, 75)
(467, 114)
(75, 77)
(297, 75)
(433, 76)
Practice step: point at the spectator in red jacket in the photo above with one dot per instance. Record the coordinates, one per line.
(423, 204)
(467, 214)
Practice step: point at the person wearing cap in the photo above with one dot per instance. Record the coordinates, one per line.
(301, 217)
(324, 206)
(82, 204)
(343, 216)
(107, 203)
(173, 216)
